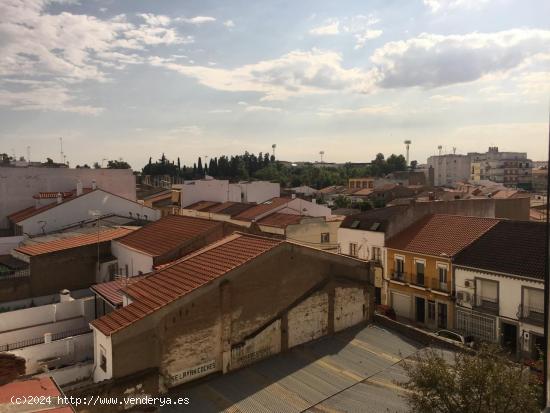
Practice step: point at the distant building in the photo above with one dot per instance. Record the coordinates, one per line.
(540, 179)
(512, 169)
(360, 183)
(449, 169)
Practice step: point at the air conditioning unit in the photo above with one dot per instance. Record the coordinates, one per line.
(469, 283)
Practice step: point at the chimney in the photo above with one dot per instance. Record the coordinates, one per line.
(59, 197)
(78, 188)
(65, 295)
(94, 185)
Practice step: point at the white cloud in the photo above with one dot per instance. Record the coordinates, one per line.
(220, 111)
(448, 98)
(259, 108)
(364, 110)
(431, 60)
(186, 130)
(196, 20)
(229, 23)
(327, 29)
(441, 5)
(296, 73)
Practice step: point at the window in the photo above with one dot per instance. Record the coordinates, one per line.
(399, 268)
(487, 294)
(441, 315)
(353, 249)
(325, 237)
(102, 358)
(420, 272)
(431, 310)
(376, 254)
(442, 277)
(126, 269)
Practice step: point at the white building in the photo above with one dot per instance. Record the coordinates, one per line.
(19, 185)
(512, 169)
(499, 281)
(65, 212)
(215, 190)
(450, 169)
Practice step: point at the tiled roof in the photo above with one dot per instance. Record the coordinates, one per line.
(510, 247)
(168, 234)
(334, 189)
(36, 386)
(112, 290)
(441, 234)
(373, 220)
(260, 209)
(280, 220)
(189, 273)
(64, 194)
(72, 242)
(230, 208)
(202, 205)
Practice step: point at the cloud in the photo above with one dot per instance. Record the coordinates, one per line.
(186, 130)
(436, 6)
(364, 110)
(327, 29)
(296, 73)
(448, 98)
(197, 20)
(359, 26)
(431, 60)
(229, 23)
(257, 108)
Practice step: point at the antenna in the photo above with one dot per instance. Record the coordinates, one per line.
(322, 153)
(439, 148)
(407, 145)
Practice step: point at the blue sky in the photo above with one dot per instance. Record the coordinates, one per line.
(131, 79)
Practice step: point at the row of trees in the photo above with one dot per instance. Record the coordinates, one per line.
(265, 167)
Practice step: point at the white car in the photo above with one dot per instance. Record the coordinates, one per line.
(455, 337)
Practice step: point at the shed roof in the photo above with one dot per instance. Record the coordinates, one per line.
(373, 220)
(260, 209)
(280, 220)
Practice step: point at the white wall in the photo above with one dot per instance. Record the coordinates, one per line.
(71, 374)
(42, 300)
(135, 260)
(299, 206)
(9, 243)
(257, 191)
(105, 341)
(18, 185)
(308, 320)
(68, 350)
(204, 190)
(78, 209)
(365, 240)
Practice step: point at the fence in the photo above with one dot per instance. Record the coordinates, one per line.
(40, 340)
(10, 275)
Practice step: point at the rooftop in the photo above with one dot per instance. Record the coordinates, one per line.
(373, 220)
(112, 290)
(33, 387)
(39, 248)
(184, 276)
(280, 220)
(510, 247)
(441, 234)
(257, 210)
(168, 233)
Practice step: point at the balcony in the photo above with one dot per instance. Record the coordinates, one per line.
(419, 280)
(486, 304)
(531, 315)
(400, 276)
(439, 286)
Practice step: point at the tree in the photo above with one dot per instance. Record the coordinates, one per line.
(413, 165)
(96, 165)
(484, 382)
(199, 167)
(120, 164)
(342, 202)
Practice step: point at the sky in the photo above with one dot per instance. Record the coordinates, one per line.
(132, 79)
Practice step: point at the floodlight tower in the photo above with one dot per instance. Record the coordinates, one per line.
(322, 153)
(439, 148)
(407, 144)
(273, 147)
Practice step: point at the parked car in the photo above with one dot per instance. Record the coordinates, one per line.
(454, 337)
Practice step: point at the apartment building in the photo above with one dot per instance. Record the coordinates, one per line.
(500, 287)
(512, 169)
(419, 269)
(360, 183)
(449, 169)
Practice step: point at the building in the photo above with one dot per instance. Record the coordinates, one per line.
(18, 185)
(360, 183)
(60, 262)
(512, 169)
(227, 305)
(163, 241)
(419, 266)
(159, 198)
(450, 169)
(500, 287)
(77, 209)
(43, 389)
(540, 179)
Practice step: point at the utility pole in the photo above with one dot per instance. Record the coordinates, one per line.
(407, 145)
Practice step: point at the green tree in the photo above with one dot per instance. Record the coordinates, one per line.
(342, 202)
(484, 382)
(120, 164)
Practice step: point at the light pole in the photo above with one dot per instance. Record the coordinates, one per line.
(407, 144)
(97, 213)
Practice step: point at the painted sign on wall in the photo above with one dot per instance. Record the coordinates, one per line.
(192, 373)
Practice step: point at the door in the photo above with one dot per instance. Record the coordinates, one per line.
(377, 295)
(401, 304)
(420, 305)
(509, 337)
(441, 315)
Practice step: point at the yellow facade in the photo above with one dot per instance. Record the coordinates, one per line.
(360, 183)
(425, 300)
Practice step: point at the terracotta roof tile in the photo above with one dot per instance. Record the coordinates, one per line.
(260, 209)
(280, 220)
(36, 386)
(202, 205)
(73, 242)
(441, 234)
(510, 247)
(112, 290)
(231, 208)
(185, 275)
(168, 234)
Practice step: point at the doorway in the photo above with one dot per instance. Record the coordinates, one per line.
(420, 305)
(441, 315)
(509, 337)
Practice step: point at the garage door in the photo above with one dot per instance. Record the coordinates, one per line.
(401, 304)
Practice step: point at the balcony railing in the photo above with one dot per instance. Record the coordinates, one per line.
(439, 286)
(10, 275)
(419, 279)
(533, 315)
(40, 340)
(400, 276)
(486, 304)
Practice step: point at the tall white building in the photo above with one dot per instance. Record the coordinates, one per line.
(450, 169)
(512, 169)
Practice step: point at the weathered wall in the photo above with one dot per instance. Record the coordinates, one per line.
(351, 306)
(309, 232)
(18, 185)
(308, 320)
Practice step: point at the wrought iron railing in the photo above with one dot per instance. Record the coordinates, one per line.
(530, 314)
(10, 275)
(438, 285)
(486, 304)
(40, 340)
